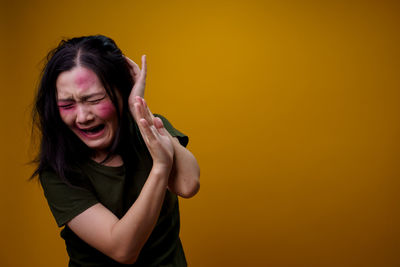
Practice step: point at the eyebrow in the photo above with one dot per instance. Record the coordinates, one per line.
(83, 98)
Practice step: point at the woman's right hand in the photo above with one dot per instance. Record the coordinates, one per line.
(155, 135)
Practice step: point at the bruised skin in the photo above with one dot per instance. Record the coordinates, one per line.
(106, 109)
(85, 78)
(86, 109)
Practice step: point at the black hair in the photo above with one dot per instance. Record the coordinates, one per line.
(60, 148)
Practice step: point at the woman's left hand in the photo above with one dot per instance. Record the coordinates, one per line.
(139, 78)
(156, 137)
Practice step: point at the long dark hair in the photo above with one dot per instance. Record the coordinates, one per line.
(60, 148)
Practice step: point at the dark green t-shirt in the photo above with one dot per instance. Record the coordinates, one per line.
(116, 188)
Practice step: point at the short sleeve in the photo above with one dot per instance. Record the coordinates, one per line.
(183, 139)
(65, 201)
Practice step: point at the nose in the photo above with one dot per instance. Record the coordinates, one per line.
(84, 115)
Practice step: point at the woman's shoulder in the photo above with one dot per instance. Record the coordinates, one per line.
(73, 176)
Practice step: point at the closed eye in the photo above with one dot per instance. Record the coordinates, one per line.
(96, 100)
(67, 106)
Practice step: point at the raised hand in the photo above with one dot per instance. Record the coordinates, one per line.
(139, 78)
(154, 134)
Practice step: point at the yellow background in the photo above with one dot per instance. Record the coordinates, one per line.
(292, 108)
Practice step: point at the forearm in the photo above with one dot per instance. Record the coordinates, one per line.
(184, 178)
(131, 232)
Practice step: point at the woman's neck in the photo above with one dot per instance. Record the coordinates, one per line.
(112, 161)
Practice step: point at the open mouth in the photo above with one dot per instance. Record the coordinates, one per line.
(93, 130)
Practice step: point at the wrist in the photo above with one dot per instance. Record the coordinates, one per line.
(161, 170)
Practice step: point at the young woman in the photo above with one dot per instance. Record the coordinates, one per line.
(110, 169)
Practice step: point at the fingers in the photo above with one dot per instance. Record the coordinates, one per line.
(148, 131)
(144, 66)
(143, 110)
(136, 72)
(158, 123)
(139, 78)
(147, 113)
(159, 126)
(131, 63)
(154, 134)
(133, 68)
(139, 111)
(143, 113)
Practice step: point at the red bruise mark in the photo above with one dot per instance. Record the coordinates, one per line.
(105, 109)
(85, 78)
(68, 110)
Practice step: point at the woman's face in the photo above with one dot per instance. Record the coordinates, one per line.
(86, 108)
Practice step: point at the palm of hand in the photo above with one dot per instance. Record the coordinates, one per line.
(156, 137)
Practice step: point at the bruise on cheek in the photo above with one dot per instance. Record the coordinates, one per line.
(65, 111)
(106, 109)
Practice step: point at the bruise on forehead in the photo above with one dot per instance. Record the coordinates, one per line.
(84, 78)
(78, 83)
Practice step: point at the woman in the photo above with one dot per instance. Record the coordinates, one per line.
(110, 169)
